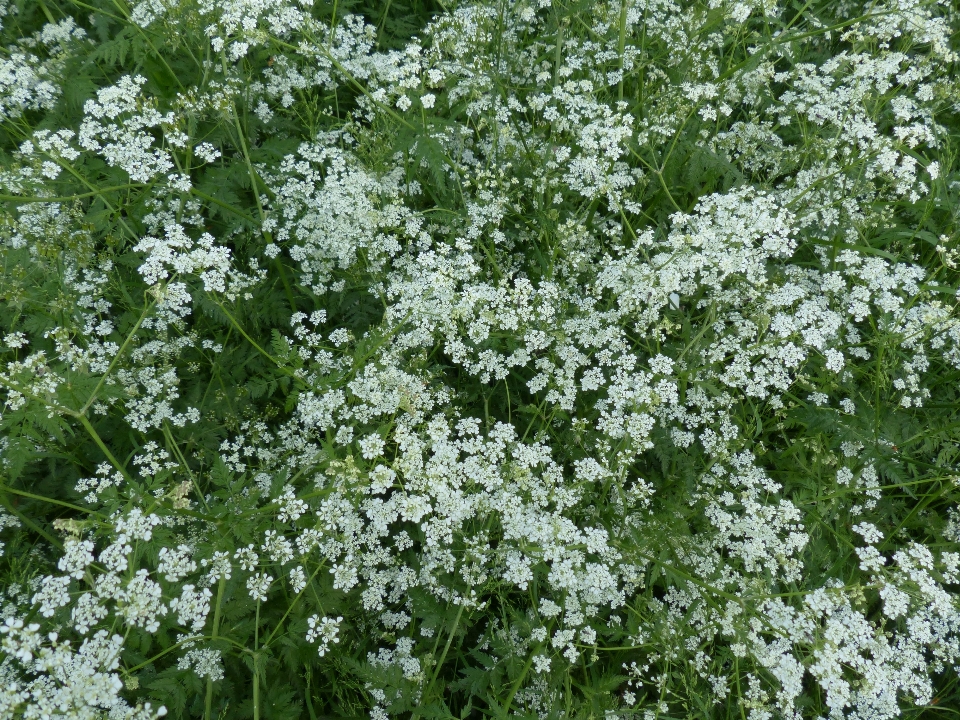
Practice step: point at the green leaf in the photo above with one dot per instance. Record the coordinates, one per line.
(169, 691)
(220, 474)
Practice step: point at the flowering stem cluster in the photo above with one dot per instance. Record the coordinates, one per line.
(524, 358)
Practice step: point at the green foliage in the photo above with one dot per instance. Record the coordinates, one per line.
(585, 184)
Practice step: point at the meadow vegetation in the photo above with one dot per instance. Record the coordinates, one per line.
(479, 359)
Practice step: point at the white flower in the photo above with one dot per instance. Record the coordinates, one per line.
(371, 446)
(258, 585)
(15, 340)
(53, 594)
(176, 564)
(248, 558)
(87, 612)
(548, 608)
(298, 580)
(835, 360)
(192, 607)
(869, 532)
(77, 555)
(325, 630)
(206, 152)
(141, 603)
(206, 663)
(220, 567)
(136, 525)
(291, 507)
(277, 547)
(382, 479)
(344, 435)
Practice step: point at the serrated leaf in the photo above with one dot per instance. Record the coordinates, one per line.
(258, 387)
(170, 692)
(278, 343)
(220, 474)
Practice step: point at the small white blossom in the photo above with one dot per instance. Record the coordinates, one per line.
(324, 631)
(176, 564)
(298, 580)
(541, 663)
(77, 555)
(205, 663)
(258, 585)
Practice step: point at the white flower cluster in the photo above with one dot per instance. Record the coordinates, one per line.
(596, 341)
(105, 478)
(205, 663)
(115, 125)
(48, 678)
(324, 631)
(31, 73)
(332, 211)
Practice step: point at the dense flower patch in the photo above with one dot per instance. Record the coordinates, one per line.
(521, 358)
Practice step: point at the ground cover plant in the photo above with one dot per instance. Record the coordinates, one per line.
(581, 359)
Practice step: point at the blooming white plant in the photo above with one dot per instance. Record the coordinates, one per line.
(527, 358)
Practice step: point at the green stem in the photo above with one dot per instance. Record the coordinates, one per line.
(286, 284)
(517, 684)
(247, 337)
(101, 11)
(106, 451)
(29, 523)
(220, 203)
(42, 498)
(436, 670)
(95, 191)
(183, 462)
(165, 651)
(254, 178)
(256, 665)
(621, 46)
(46, 12)
(186, 640)
(292, 605)
(126, 13)
(116, 358)
(208, 700)
(333, 23)
(65, 198)
(250, 339)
